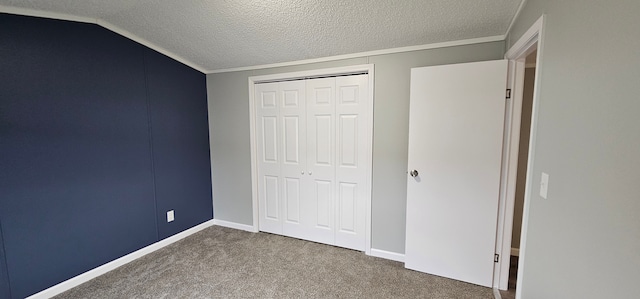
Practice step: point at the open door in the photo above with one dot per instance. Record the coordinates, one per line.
(455, 151)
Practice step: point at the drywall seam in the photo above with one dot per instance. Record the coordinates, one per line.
(5, 261)
(150, 132)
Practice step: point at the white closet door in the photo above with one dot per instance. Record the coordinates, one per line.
(269, 156)
(312, 144)
(293, 119)
(321, 133)
(351, 160)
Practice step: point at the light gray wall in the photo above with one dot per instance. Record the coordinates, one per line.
(230, 148)
(584, 240)
(523, 154)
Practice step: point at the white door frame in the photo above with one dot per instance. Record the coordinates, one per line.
(348, 70)
(531, 40)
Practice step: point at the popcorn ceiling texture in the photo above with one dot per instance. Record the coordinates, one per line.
(222, 34)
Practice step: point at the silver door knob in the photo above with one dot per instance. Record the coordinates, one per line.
(413, 173)
(310, 173)
(302, 172)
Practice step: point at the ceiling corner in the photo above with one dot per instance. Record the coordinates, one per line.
(149, 44)
(102, 23)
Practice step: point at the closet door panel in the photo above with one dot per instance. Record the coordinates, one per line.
(348, 141)
(292, 98)
(292, 187)
(269, 155)
(351, 164)
(320, 216)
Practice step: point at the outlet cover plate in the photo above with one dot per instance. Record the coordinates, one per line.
(170, 216)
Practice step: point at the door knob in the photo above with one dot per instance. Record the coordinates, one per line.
(310, 173)
(414, 173)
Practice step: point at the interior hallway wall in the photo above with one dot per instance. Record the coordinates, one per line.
(228, 96)
(584, 240)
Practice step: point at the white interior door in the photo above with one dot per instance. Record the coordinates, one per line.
(455, 145)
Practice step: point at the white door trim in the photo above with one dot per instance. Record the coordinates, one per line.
(365, 68)
(533, 38)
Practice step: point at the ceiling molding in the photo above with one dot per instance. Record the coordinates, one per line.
(480, 40)
(99, 22)
(515, 17)
(44, 14)
(129, 35)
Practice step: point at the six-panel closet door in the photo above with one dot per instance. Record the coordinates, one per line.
(312, 166)
(280, 130)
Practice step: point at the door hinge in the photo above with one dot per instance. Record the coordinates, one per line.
(508, 93)
(496, 258)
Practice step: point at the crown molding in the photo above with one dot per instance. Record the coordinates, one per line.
(131, 36)
(480, 40)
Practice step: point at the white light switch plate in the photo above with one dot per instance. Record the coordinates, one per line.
(170, 216)
(544, 185)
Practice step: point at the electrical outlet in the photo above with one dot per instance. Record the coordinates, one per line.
(170, 216)
(544, 185)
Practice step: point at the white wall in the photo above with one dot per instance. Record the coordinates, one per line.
(584, 240)
(230, 149)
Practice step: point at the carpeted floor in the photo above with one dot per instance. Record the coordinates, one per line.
(220, 262)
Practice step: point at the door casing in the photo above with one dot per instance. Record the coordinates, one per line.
(531, 40)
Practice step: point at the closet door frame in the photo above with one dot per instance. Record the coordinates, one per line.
(340, 71)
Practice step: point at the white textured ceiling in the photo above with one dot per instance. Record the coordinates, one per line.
(224, 34)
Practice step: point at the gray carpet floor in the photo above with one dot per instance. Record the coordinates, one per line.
(220, 262)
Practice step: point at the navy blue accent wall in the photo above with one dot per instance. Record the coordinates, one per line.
(91, 123)
(180, 138)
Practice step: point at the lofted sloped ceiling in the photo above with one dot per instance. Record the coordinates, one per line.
(218, 35)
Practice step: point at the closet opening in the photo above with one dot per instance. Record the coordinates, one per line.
(311, 152)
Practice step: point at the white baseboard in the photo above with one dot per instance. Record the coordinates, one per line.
(394, 256)
(95, 272)
(515, 251)
(235, 225)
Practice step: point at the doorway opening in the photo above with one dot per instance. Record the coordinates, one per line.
(521, 172)
(519, 146)
(290, 153)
